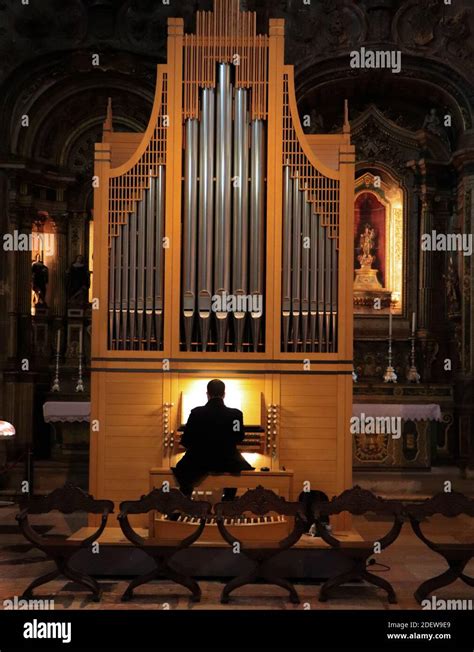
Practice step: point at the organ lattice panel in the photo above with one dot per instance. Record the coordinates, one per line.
(309, 301)
(136, 245)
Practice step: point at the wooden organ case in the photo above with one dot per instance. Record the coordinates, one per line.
(223, 248)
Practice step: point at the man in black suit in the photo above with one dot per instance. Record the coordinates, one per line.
(210, 437)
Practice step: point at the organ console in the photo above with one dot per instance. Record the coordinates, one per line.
(223, 248)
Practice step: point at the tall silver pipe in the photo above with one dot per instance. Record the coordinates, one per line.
(206, 214)
(334, 281)
(149, 201)
(160, 189)
(125, 288)
(321, 273)
(133, 277)
(257, 226)
(305, 261)
(240, 210)
(111, 291)
(327, 290)
(141, 228)
(223, 195)
(313, 303)
(118, 285)
(287, 238)
(298, 199)
(189, 228)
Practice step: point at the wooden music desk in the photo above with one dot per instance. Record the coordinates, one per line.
(279, 481)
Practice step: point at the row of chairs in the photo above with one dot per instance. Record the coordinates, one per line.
(258, 502)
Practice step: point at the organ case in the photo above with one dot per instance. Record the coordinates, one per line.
(223, 202)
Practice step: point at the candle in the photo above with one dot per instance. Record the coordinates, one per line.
(413, 322)
(80, 343)
(390, 325)
(58, 340)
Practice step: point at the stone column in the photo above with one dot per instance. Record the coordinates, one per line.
(57, 284)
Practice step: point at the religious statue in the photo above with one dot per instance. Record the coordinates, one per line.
(367, 244)
(39, 281)
(78, 281)
(452, 289)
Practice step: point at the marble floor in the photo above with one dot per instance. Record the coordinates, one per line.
(409, 562)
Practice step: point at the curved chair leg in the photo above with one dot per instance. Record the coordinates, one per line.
(333, 582)
(84, 580)
(437, 582)
(241, 580)
(382, 583)
(28, 592)
(138, 581)
(285, 584)
(469, 580)
(184, 580)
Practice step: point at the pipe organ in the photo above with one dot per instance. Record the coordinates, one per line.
(223, 249)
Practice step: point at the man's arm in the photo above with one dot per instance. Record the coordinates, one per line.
(189, 432)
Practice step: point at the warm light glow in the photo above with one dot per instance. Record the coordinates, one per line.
(196, 395)
(252, 458)
(6, 429)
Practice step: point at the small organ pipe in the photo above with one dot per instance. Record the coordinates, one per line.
(286, 244)
(257, 226)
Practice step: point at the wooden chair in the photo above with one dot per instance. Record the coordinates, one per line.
(260, 502)
(67, 499)
(457, 555)
(358, 501)
(166, 502)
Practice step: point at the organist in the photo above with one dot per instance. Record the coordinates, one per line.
(210, 437)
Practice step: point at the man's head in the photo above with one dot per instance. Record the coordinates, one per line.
(215, 389)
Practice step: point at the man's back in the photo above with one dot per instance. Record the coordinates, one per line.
(213, 432)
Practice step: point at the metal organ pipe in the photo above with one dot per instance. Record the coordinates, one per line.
(305, 270)
(149, 202)
(321, 272)
(133, 277)
(125, 288)
(334, 279)
(223, 187)
(287, 231)
(298, 198)
(141, 226)
(189, 228)
(257, 226)
(206, 215)
(313, 304)
(240, 210)
(159, 253)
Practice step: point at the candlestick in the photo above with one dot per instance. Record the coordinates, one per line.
(55, 387)
(390, 376)
(80, 383)
(412, 375)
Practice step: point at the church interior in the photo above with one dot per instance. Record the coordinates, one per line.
(240, 190)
